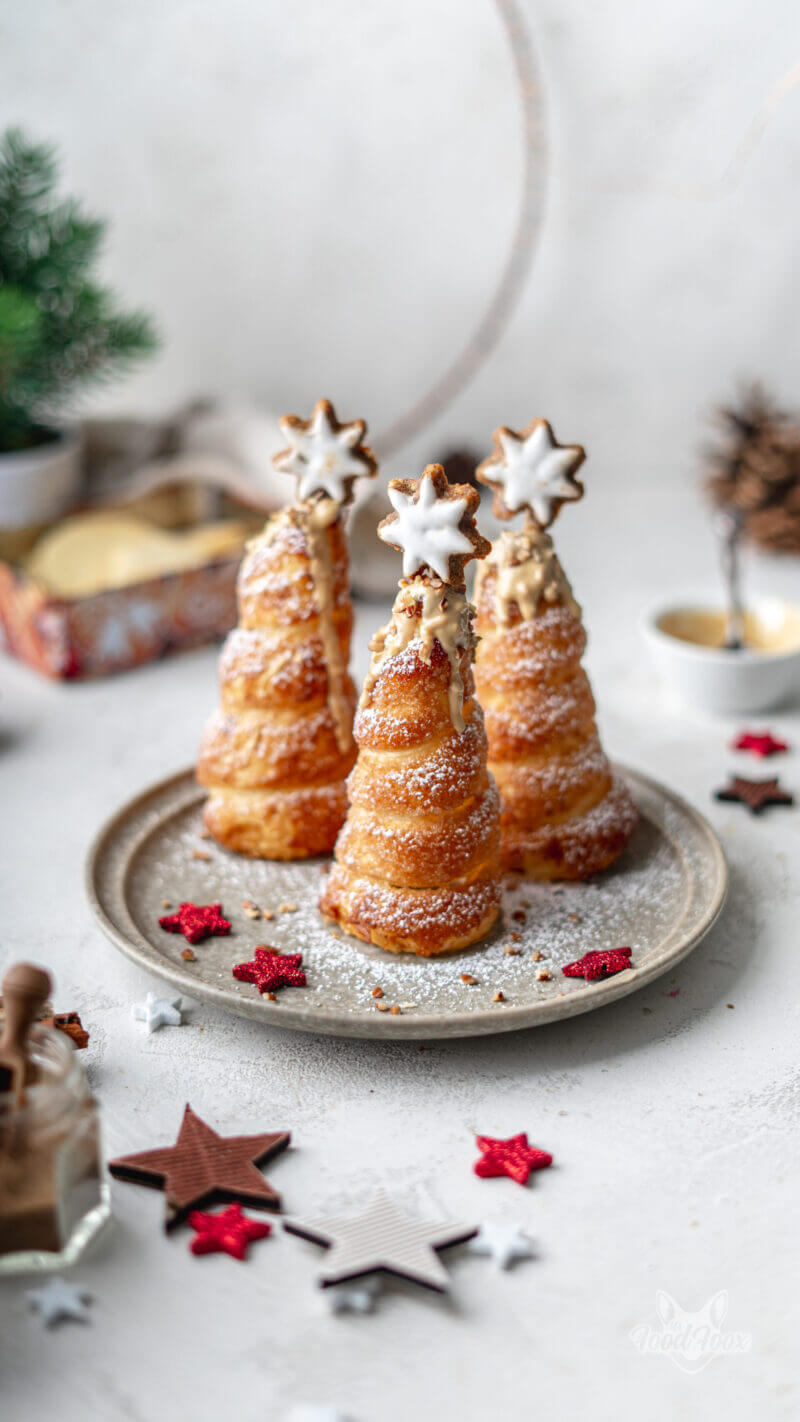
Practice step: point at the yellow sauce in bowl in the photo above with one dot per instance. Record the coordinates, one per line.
(771, 630)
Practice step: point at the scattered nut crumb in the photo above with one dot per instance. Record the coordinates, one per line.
(468, 979)
(377, 992)
(287, 908)
(270, 996)
(574, 918)
(205, 834)
(166, 903)
(536, 956)
(499, 996)
(406, 1005)
(270, 948)
(188, 955)
(201, 854)
(543, 975)
(514, 936)
(519, 915)
(395, 1011)
(511, 952)
(267, 913)
(382, 1006)
(729, 1004)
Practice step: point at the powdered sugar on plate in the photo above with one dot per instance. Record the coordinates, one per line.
(659, 897)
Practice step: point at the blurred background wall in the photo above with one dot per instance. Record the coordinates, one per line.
(317, 198)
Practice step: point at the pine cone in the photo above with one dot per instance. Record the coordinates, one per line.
(756, 469)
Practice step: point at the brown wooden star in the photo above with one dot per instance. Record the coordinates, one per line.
(202, 1168)
(433, 525)
(324, 455)
(530, 470)
(757, 795)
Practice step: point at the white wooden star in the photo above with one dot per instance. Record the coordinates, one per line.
(426, 529)
(504, 1243)
(158, 1012)
(323, 455)
(529, 469)
(57, 1300)
(382, 1238)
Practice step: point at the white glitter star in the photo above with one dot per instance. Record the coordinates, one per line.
(504, 1243)
(534, 471)
(57, 1300)
(158, 1012)
(323, 455)
(426, 529)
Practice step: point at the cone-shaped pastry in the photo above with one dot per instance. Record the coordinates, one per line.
(416, 866)
(565, 815)
(276, 754)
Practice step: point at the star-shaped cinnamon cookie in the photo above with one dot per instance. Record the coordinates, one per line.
(324, 455)
(530, 470)
(202, 1167)
(433, 525)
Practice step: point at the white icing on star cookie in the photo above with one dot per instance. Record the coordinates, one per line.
(530, 470)
(426, 529)
(323, 455)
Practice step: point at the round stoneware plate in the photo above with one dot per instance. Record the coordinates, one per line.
(660, 898)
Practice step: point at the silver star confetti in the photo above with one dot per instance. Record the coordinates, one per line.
(157, 1012)
(57, 1300)
(504, 1243)
(382, 1238)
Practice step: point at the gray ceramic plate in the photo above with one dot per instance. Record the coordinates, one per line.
(660, 898)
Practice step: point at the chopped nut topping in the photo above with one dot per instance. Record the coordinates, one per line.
(287, 908)
(201, 854)
(188, 955)
(468, 979)
(499, 996)
(543, 975)
(395, 1011)
(515, 937)
(536, 955)
(270, 996)
(382, 1006)
(511, 952)
(377, 992)
(166, 903)
(267, 913)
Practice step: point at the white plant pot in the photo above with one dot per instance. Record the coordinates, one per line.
(36, 485)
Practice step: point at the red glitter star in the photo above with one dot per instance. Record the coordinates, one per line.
(761, 743)
(228, 1232)
(270, 970)
(603, 963)
(196, 922)
(512, 1157)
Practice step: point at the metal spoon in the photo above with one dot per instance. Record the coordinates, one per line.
(729, 529)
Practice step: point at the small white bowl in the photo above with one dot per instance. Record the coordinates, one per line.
(727, 683)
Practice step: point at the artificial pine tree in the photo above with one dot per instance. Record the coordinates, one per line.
(59, 330)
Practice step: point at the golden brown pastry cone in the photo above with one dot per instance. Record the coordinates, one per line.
(416, 863)
(564, 816)
(276, 754)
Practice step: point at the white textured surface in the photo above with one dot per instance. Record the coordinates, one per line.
(674, 1132)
